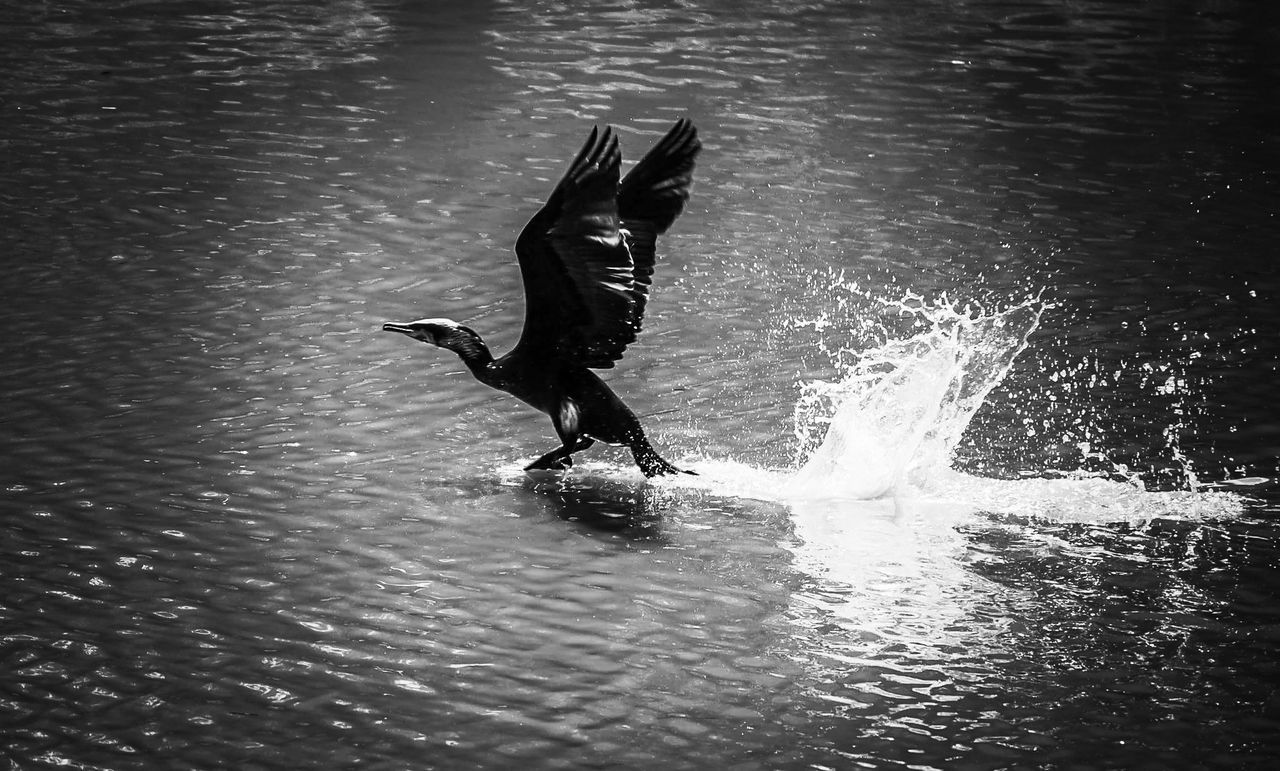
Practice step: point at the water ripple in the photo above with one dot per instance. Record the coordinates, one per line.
(243, 528)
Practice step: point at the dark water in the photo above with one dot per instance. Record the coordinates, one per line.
(243, 528)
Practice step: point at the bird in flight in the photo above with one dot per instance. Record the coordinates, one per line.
(587, 261)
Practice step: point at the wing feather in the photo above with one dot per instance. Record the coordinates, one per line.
(586, 277)
(650, 198)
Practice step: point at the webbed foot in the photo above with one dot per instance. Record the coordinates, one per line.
(652, 464)
(552, 461)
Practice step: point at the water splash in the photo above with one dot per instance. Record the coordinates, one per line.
(887, 426)
(910, 375)
(899, 408)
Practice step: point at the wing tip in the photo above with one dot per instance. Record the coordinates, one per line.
(682, 139)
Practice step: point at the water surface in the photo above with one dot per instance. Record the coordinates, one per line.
(244, 528)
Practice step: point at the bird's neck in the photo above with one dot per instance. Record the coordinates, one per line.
(474, 353)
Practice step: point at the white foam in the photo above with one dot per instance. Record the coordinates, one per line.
(889, 424)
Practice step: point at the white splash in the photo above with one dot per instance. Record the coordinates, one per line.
(878, 439)
(900, 407)
(887, 427)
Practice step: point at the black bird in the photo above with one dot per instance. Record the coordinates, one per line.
(587, 261)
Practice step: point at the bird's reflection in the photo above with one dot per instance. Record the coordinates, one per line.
(632, 511)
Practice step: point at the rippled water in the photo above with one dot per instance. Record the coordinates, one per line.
(244, 528)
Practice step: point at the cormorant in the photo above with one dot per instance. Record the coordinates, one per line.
(587, 260)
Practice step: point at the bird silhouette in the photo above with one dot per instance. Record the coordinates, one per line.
(587, 260)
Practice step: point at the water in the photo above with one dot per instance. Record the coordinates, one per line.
(1027, 247)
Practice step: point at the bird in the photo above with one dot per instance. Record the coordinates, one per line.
(586, 260)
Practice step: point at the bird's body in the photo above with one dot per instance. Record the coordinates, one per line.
(586, 258)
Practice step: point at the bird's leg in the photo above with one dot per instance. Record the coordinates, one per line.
(560, 458)
(566, 421)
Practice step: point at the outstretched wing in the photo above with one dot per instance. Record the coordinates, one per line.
(577, 270)
(584, 289)
(650, 198)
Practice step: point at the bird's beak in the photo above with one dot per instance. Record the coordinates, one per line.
(391, 326)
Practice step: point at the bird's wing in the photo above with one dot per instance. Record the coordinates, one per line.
(578, 273)
(650, 198)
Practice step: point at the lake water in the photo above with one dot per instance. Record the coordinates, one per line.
(242, 527)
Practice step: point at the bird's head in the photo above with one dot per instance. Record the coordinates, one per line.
(445, 333)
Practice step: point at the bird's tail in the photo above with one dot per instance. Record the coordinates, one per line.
(651, 463)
